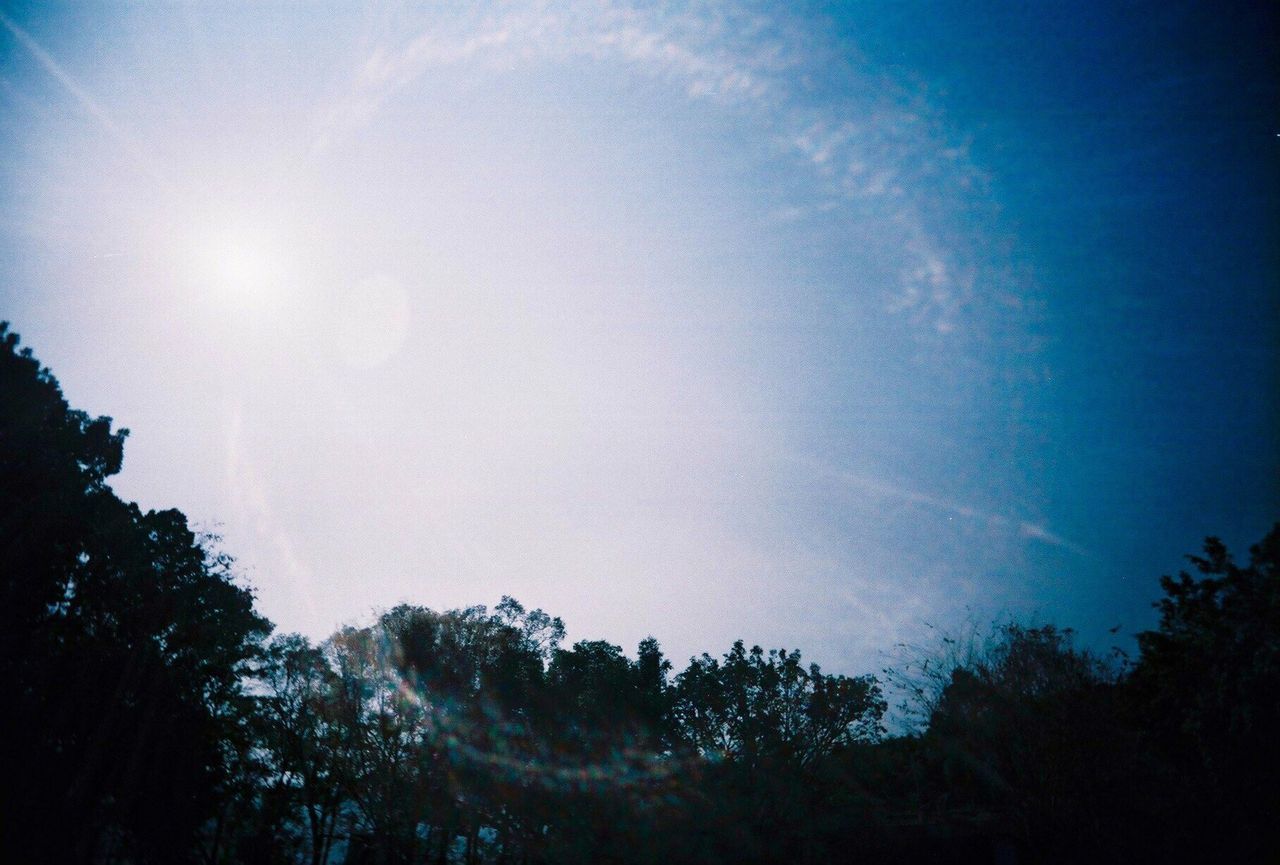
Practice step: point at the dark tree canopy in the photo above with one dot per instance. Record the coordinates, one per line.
(124, 641)
(1210, 677)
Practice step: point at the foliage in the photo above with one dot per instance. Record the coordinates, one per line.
(1209, 679)
(124, 642)
(766, 708)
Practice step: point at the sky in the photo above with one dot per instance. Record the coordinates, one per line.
(822, 326)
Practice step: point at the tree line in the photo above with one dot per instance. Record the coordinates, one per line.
(153, 717)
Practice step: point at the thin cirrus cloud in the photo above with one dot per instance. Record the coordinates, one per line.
(127, 142)
(996, 522)
(873, 144)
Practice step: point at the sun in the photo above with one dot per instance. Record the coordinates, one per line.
(241, 250)
(245, 269)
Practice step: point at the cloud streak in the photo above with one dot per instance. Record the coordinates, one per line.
(874, 143)
(126, 141)
(882, 489)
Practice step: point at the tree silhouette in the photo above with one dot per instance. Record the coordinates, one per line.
(298, 733)
(1209, 684)
(1024, 738)
(755, 707)
(124, 640)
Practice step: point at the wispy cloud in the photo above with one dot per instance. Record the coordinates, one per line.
(683, 48)
(883, 489)
(871, 142)
(1041, 533)
(127, 142)
(387, 71)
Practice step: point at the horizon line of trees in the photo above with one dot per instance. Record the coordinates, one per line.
(154, 718)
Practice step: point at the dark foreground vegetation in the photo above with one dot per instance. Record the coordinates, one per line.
(151, 718)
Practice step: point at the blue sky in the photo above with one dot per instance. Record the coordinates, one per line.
(810, 326)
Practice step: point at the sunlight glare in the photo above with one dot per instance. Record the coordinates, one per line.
(243, 272)
(246, 270)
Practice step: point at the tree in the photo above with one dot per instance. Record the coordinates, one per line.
(1036, 744)
(298, 730)
(123, 642)
(381, 727)
(765, 724)
(756, 707)
(440, 719)
(1208, 685)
